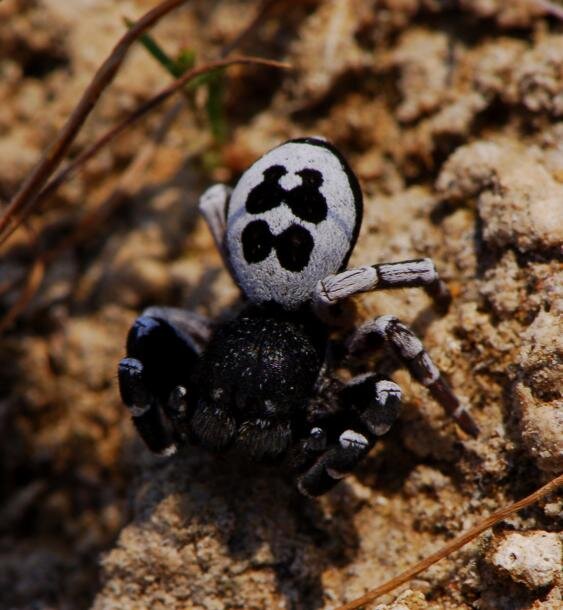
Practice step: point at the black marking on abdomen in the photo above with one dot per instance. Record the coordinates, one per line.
(306, 201)
(269, 194)
(257, 241)
(293, 246)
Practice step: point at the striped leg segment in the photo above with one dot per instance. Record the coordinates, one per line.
(418, 273)
(410, 351)
(163, 345)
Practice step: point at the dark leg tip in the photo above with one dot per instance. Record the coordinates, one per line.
(440, 294)
(131, 384)
(130, 366)
(468, 425)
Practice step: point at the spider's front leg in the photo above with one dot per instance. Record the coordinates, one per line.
(411, 353)
(323, 464)
(404, 343)
(418, 273)
(163, 346)
(213, 207)
(369, 404)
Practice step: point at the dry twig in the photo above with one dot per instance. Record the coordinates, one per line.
(29, 190)
(454, 545)
(93, 218)
(140, 112)
(551, 8)
(261, 14)
(38, 268)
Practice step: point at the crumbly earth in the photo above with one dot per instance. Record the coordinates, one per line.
(450, 112)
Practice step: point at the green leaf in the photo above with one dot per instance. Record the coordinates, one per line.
(215, 105)
(158, 52)
(214, 81)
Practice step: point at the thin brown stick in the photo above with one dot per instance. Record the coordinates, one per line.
(33, 281)
(454, 545)
(143, 109)
(111, 134)
(551, 8)
(54, 155)
(128, 184)
(261, 13)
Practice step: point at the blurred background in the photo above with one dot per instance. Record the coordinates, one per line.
(450, 113)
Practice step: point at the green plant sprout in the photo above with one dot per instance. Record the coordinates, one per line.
(214, 81)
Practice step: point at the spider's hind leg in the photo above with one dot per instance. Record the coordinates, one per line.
(411, 353)
(163, 346)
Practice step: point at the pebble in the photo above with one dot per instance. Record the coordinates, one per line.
(531, 558)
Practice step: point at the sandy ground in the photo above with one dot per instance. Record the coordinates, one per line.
(450, 113)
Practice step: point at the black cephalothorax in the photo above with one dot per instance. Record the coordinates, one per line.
(261, 383)
(259, 371)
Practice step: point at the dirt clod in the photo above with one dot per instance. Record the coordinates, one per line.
(532, 558)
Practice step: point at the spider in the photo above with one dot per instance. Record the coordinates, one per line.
(262, 382)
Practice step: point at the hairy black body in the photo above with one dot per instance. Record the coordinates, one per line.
(257, 374)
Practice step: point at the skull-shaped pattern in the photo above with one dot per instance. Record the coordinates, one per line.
(293, 218)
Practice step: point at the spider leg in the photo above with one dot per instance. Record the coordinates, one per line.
(375, 399)
(321, 469)
(163, 345)
(213, 207)
(418, 273)
(411, 353)
(143, 407)
(369, 404)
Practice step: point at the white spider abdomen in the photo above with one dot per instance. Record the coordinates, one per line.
(292, 219)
